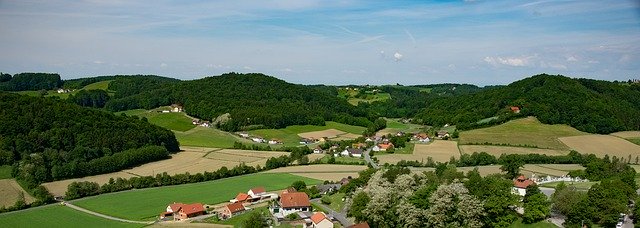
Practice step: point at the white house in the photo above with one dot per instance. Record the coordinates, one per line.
(520, 185)
(291, 202)
(320, 220)
(318, 150)
(256, 192)
(258, 140)
(243, 134)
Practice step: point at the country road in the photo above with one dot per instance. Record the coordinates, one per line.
(341, 217)
(105, 216)
(367, 158)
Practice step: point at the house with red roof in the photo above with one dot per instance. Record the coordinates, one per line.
(231, 210)
(320, 220)
(515, 109)
(291, 202)
(256, 194)
(189, 211)
(520, 185)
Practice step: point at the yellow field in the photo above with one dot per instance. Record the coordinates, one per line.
(313, 157)
(323, 171)
(329, 133)
(439, 150)
(601, 145)
(387, 131)
(528, 170)
(499, 150)
(627, 134)
(10, 191)
(190, 159)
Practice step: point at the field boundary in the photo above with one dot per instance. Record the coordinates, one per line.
(105, 216)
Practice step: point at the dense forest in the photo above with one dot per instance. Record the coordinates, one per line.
(29, 81)
(588, 105)
(47, 139)
(253, 100)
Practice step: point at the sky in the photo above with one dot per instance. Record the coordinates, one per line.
(325, 42)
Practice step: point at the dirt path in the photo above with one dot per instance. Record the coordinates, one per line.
(105, 216)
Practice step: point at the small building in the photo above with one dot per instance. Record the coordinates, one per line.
(443, 134)
(205, 124)
(256, 192)
(290, 203)
(231, 210)
(241, 197)
(345, 180)
(520, 185)
(328, 188)
(182, 211)
(320, 220)
(244, 134)
(515, 109)
(382, 147)
(257, 139)
(355, 152)
(274, 142)
(318, 150)
(176, 108)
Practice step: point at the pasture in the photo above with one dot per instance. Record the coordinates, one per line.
(525, 131)
(322, 172)
(439, 151)
(499, 150)
(103, 85)
(290, 135)
(10, 191)
(395, 126)
(177, 121)
(191, 159)
(602, 145)
(57, 216)
(207, 137)
(145, 204)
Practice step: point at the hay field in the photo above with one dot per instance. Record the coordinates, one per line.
(627, 134)
(329, 133)
(526, 131)
(439, 150)
(313, 157)
(322, 172)
(191, 159)
(499, 150)
(601, 145)
(10, 191)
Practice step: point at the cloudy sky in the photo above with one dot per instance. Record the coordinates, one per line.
(329, 42)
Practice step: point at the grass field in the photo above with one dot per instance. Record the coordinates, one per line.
(439, 150)
(322, 172)
(336, 201)
(206, 137)
(394, 126)
(57, 216)
(10, 191)
(634, 140)
(5, 171)
(191, 159)
(541, 224)
(146, 204)
(526, 131)
(103, 85)
(370, 98)
(601, 145)
(177, 121)
(499, 150)
(290, 137)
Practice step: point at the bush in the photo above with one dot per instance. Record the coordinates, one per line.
(325, 200)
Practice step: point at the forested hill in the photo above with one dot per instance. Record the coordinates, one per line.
(29, 81)
(47, 139)
(250, 99)
(588, 105)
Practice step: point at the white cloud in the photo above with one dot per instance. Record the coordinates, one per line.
(247, 68)
(163, 65)
(509, 61)
(98, 62)
(572, 58)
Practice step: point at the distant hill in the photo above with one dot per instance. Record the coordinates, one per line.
(29, 81)
(47, 139)
(252, 100)
(588, 105)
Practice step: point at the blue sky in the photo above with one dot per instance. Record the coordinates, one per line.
(325, 42)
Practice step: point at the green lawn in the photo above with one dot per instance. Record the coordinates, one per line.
(57, 216)
(542, 224)
(146, 204)
(336, 201)
(396, 124)
(408, 149)
(206, 137)
(370, 98)
(578, 185)
(133, 112)
(177, 121)
(236, 221)
(103, 85)
(5, 172)
(289, 135)
(525, 131)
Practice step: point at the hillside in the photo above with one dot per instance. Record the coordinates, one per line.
(252, 100)
(587, 105)
(47, 139)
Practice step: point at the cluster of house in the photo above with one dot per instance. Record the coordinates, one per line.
(181, 211)
(237, 204)
(258, 139)
(173, 108)
(61, 90)
(293, 202)
(521, 183)
(202, 123)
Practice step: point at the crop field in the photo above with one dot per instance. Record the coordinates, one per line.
(146, 204)
(313, 157)
(322, 172)
(207, 137)
(57, 216)
(329, 133)
(394, 126)
(526, 131)
(578, 185)
(563, 167)
(627, 134)
(191, 159)
(10, 191)
(290, 135)
(499, 150)
(439, 150)
(601, 145)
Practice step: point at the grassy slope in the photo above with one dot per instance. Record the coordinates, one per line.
(176, 121)
(205, 137)
(289, 135)
(146, 204)
(526, 131)
(5, 172)
(103, 85)
(336, 201)
(634, 140)
(57, 216)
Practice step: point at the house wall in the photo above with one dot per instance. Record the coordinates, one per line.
(291, 210)
(324, 224)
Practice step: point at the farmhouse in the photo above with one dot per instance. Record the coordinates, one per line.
(328, 188)
(256, 194)
(382, 147)
(181, 211)
(318, 150)
(515, 109)
(520, 185)
(231, 210)
(257, 139)
(351, 152)
(274, 141)
(443, 134)
(320, 220)
(176, 108)
(241, 197)
(290, 203)
(305, 141)
(422, 137)
(243, 134)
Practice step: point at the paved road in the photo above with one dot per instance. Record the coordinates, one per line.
(369, 160)
(547, 191)
(341, 217)
(105, 216)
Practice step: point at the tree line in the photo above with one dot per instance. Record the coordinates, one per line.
(29, 81)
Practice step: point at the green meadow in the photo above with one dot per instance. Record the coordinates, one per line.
(57, 216)
(146, 204)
